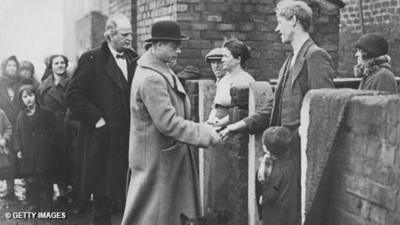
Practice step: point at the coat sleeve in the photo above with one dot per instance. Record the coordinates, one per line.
(7, 126)
(273, 187)
(319, 68)
(18, 134)
(155, 96)
(259, 121)
(385, 82)
(77, 96)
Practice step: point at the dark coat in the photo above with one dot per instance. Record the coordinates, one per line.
(11, 109)
(97, 90)
(381, 78)
(34, 137)
(281, 194)
(53, 97)
(311, 70)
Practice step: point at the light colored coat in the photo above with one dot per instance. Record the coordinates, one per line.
(164, 180)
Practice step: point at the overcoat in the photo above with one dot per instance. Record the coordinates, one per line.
(164, 180)
(34, 137)
(98, 89)
(11, 108)
(53, 97)
(381, 78)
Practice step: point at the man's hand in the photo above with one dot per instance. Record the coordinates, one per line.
(225, 133)
(216, 138)
(2, 142)
(19, 155)
(100, 123)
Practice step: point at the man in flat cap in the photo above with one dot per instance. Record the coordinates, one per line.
(214, 58)
(164, 180)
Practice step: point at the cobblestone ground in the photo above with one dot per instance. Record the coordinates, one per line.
(17, 206)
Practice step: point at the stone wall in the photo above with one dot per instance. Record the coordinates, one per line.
(367, 161)
(381, 16)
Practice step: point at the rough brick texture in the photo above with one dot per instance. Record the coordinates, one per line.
(150, 11)
(366, 183)
(128, 8)
(381, 16)
(90, 30)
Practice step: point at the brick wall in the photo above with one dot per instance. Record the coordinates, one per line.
(208, 22)
(381, 16)
(150, 11)
(128, 8)
(90, 31)
(368, 158)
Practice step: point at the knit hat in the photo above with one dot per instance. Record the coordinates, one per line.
(373, 43)
(277, 140)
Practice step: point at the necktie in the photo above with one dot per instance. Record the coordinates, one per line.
(121, 56)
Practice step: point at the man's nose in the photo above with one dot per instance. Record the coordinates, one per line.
(178, 50)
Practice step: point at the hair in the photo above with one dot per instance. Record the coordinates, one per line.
(277, 139)
(112, 24)
(28, 89)
(238, 49)
(365, 54)
(52, 57)
(299, 9)
(27, 65)
(4, 64)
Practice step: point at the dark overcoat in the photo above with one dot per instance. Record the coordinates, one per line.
(11, 108)
(281, 194)
(34, 137)
(380, 79)
(97, 90)
(53, 97)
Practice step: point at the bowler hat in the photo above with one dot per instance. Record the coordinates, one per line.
(216, 53)
(374, 44)
(166, 30)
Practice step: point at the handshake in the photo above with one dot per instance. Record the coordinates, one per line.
(221, 133)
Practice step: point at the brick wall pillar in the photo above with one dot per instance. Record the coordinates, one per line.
(90, 31)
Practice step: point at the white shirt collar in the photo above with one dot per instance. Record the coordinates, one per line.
(113, 52)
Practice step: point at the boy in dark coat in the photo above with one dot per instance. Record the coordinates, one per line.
(277, 178)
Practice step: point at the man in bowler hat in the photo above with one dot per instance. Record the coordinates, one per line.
(98, 96)
(164, 180)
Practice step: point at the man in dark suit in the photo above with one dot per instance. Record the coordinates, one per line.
(98, 96)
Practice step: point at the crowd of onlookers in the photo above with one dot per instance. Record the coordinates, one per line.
(39, 140)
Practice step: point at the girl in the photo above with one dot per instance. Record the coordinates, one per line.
(34, 144)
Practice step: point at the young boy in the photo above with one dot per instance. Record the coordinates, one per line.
(277, 178)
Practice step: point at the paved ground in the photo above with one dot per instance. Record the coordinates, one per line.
(12, 207)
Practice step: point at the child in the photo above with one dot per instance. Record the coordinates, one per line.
(278, 178)
(34, 143)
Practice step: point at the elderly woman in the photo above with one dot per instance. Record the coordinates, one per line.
(373, 64)
(234, 56)
(10, 82)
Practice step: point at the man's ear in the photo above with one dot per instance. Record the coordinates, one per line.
(294, 21)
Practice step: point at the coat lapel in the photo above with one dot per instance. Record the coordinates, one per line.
(299, 63)
(53, 93)
(112, 68)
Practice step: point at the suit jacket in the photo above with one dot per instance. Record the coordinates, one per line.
(97, 90)
(164, 178)
(311, 70)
